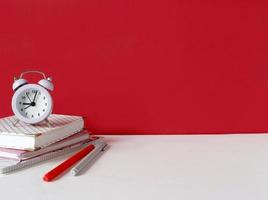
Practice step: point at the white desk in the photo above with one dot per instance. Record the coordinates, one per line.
(196, 167)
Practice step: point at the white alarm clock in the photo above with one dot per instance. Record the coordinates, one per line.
(32, 103)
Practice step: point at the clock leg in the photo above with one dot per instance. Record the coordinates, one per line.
(15, 122)
(48, 123)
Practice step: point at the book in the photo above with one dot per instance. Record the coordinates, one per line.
(18, 154)
(31, 137)
(8, 165)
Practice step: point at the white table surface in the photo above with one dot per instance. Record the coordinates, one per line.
(187, 167)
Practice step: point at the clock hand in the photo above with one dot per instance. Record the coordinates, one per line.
(28, 97)
(35, 96)
(27, 107)
(26, 103)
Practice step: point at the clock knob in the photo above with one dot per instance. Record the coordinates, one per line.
(46, 83)
(18, 83)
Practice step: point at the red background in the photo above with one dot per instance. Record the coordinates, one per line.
(144, 66)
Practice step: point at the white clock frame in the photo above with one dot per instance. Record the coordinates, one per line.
(17, 113)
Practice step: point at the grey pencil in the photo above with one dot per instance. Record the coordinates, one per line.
(88, 159)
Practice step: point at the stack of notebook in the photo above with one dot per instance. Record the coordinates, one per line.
(23, 144)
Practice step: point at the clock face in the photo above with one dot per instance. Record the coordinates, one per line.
(32, 103)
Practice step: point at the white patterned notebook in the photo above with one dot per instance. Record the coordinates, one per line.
(31, 137)
(18, 154)
(7, 166)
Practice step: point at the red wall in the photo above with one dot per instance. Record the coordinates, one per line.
(144, 66)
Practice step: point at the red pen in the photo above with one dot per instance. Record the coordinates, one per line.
(67, 163)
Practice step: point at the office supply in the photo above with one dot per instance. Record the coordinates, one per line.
(30, 137)
(18, 154)
(32, 103)
(88, 158)
(7, 165)
(68, 163)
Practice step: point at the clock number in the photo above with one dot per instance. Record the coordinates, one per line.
(23, 97)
